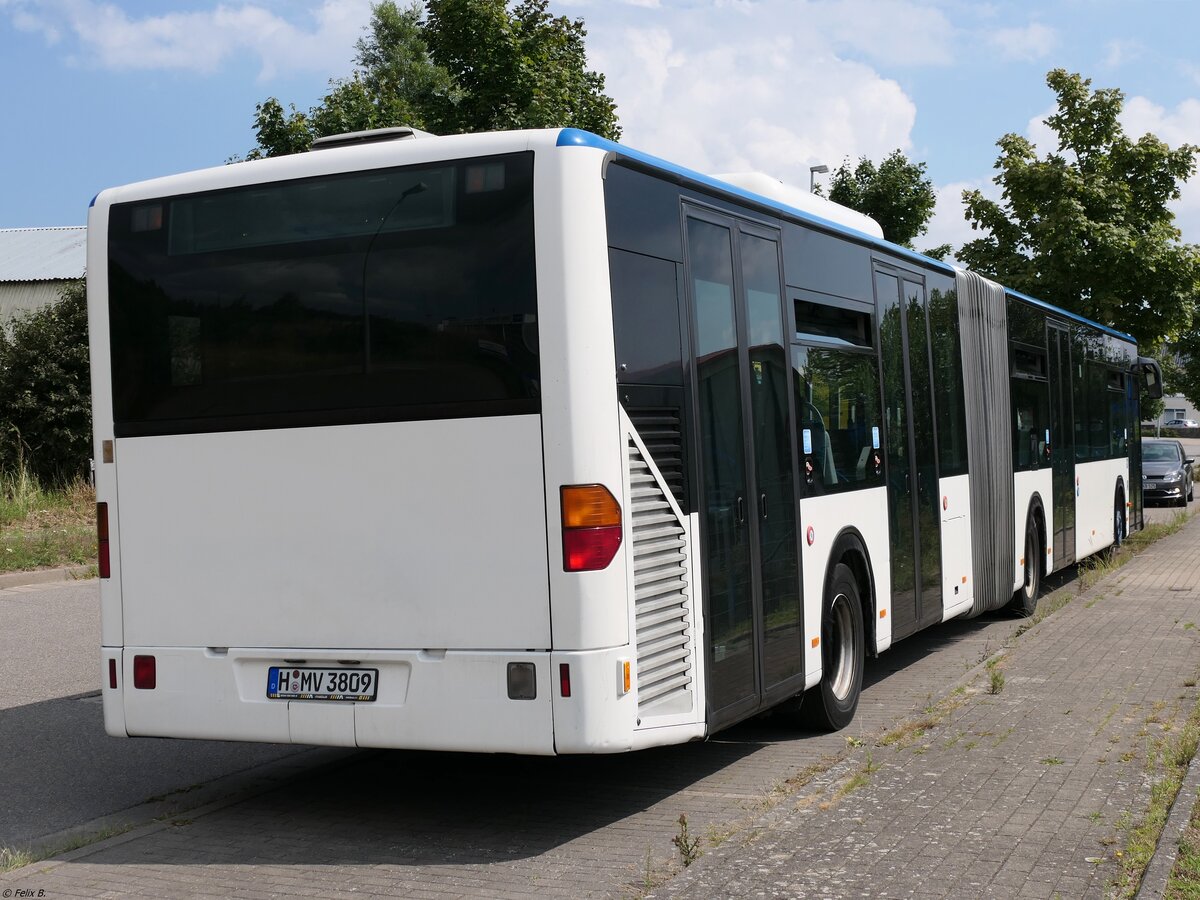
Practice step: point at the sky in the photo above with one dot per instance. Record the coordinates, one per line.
(99, 93)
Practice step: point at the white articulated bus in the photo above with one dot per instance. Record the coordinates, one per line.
(529, 442)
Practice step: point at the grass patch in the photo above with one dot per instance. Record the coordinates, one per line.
(44, 528)
(15, 859)
(1166, 765)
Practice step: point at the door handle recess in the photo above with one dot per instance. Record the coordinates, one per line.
(762, 505)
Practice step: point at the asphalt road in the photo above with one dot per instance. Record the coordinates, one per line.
(60, 769)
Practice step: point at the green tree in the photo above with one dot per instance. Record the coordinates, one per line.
(470, 65)
(45, 390)
(896, 194)
(1087, 226)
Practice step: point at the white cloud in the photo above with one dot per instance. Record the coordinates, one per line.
(111, 38)
(716, 95)
(949, 224)
(893, 32)
(1027, 44)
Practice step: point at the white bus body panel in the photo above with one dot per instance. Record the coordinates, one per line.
(1026, 484)
(401, 535)
(958, 583)
(866, 512)
(1095, 489)
(581, 429)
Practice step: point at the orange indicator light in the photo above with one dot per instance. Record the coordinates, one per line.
(816, 642)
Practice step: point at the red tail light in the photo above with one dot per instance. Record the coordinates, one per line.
(591, 522)
(102, 540)
(564, 679)
(112, 674)
(144, 675)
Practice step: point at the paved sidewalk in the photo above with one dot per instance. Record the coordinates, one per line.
(1024, 793)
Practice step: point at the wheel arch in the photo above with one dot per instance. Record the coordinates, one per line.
(850, 548)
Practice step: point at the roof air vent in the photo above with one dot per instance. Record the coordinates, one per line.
(373, 136)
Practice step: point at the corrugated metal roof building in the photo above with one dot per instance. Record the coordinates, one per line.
(35, 263)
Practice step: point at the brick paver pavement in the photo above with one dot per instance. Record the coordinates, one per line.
(1024, 793)
(1012, 793)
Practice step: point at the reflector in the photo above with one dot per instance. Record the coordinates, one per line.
(144, 675)
(102, 559)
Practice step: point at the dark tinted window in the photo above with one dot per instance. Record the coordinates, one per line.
(373, 296)
(645, 318)
(1031, 422)
(949, 403)
(837, 413)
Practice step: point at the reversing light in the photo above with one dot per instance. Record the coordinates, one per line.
(591, 522)
(522, 681)
(144, 674)
(102, 559)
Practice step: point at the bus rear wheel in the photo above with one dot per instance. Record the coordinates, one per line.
(831, 705)
(1024, 601)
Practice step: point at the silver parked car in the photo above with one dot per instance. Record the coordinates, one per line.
(1166, 472)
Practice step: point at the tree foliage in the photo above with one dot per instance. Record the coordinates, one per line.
(45, 390)
(1087, 227)
(450, 67)
(896, 194)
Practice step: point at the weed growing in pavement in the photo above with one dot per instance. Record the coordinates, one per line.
(688, 846)
(717, 836)
(1052, 761)
(1184, 881)
(14, 859)
(995, 676)
(1166, 764)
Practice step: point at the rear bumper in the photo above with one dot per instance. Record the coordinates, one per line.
(427, 700)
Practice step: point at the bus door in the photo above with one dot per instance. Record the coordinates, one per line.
(746, 462)
(1062, 442)
(914, 506)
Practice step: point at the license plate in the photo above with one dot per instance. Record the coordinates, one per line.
(307, 683)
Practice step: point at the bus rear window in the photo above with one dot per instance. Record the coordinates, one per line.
(385, 295)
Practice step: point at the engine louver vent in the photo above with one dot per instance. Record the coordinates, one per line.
(664, 661)
(661, 431)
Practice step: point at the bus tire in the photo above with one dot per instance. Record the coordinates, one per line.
(830, 706)
(1024, 601)
(1119, 519)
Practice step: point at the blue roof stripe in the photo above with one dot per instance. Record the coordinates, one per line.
(1066, 313)
(575, 137)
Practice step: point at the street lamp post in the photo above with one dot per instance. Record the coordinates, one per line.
(813, 171)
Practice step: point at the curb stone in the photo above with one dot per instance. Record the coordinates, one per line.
(151, 816)
(46, 576)
(1158, 872)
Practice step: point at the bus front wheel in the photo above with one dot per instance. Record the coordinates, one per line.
(830, 706)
